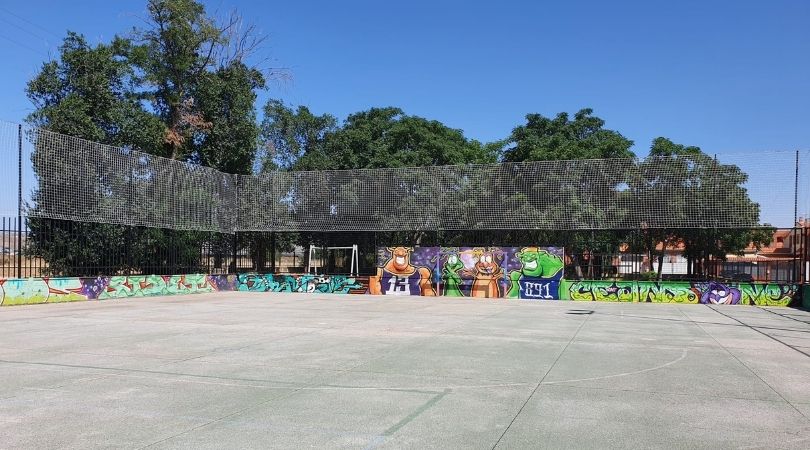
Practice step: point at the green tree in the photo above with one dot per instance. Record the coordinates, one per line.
(560, 138)
(387, 137)
(288, 135)
(285, 135)
(695, 185)
(88, 92)
(571, 193)
(375, 138)
(178, 88)
(226, 99)
(173, 54)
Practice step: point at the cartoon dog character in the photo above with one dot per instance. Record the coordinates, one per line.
(486, 274)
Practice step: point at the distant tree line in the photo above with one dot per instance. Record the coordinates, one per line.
(184, 86)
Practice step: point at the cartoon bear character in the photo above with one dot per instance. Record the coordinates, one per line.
(399, 277)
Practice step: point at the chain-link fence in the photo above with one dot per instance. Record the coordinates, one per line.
(61, 177)
(74, 207)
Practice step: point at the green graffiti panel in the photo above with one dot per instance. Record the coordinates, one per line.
(667, 292)
(133, 286)
(705, 292)
(65, 290)
(25, 291)
(150, 285)
(601, 291)
(768, 294)
(41, 290)
(325, 284)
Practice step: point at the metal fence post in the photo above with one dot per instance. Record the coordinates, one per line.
(236, 224)
(129, 237)
(796, 192)
(796, 270)
(272, 252)
(19, 200)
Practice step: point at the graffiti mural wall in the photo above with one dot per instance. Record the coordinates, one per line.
(324, 284)
(148, 285)
(41, 290)
(53, 290)
(477, 272)
(709, 292)
(533, 273)
(536, 273)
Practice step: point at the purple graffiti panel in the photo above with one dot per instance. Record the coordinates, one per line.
(93, 287)
(481, 272)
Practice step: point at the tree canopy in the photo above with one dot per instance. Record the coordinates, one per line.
(375, 138)
(289, 135)
(89, 93)
(544, 139)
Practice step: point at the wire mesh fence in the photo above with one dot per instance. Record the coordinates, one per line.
(75, 179)
(74, 207)
(656, 192)
(49, 175)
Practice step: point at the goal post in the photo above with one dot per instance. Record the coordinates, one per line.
(319, 255)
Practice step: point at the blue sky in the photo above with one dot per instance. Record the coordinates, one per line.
(732, 77)
(723, 75)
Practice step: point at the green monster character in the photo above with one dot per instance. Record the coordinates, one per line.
(535, 263)
(452, 280)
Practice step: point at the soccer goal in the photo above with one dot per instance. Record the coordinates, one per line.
(343, 260)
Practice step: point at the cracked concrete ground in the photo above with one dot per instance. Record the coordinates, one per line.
(257, 370)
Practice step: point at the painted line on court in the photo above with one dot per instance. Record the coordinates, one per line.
(759, 330)
(624, 374)
(406, 420)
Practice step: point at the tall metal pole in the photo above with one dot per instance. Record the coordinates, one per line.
(129, 241)
(795, 232)
(19, 200)
(796, 193)
(236, 224)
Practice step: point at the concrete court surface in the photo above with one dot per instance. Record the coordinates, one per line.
(254, 370)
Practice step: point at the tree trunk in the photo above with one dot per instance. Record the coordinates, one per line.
(661, 263)
(577, 267)
(259, 252)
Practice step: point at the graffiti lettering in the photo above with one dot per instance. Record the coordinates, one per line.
(51, 290)
(536, 290)
(712, 292)
(333, 284)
